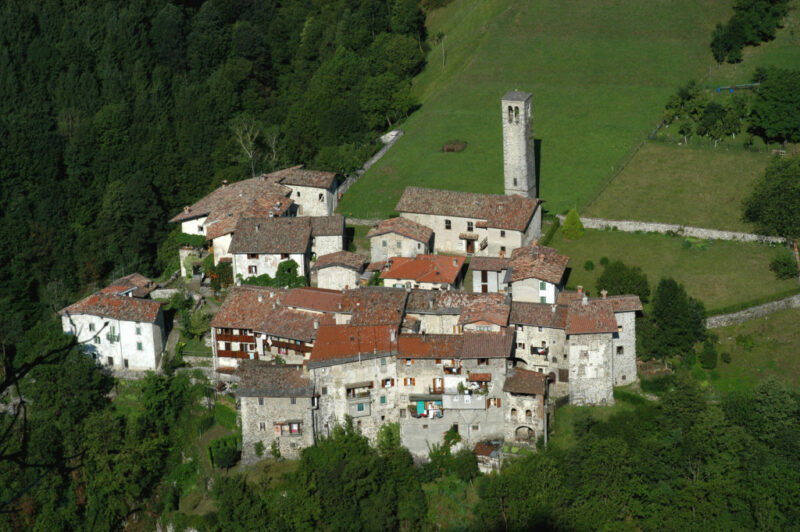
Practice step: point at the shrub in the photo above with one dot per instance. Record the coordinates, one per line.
(225, 452)
(465, 465)
(726, 357)
(784, 266)
(658, 385)
(275, 450)
(259, 448)
(588, 265)
(620, 279)
(708, 356)
(746, 342)
(604, 261)
(572, 228)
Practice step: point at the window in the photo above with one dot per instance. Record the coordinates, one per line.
(383, 243)
(510, 114)
(515, 181)
(402, 412)
(447, 224)
(253, 270)
(476, 428)
(383, 399)
(424, 426)
(483, 361)
(513, 413)
(110, 361)
(470, 227)
(321, 196)
(138, 346)
(542, 285)
(298, 193)
(260, 401)
(293, 400)
(409, 381)
(284, 256)
(200, 229)
(360, 407)
(619, 328)
(125, 363)
(502, 249)
(520, 345)
(542, 299)
(91, 327)
(419, 246)
(503, 233)
(324, 390)
(541, 329)
(383, 362)
(399, 243)
(252, 255)
(516, 115)
(97, 339)
(263, 426)
(620, 350)
(138, 330)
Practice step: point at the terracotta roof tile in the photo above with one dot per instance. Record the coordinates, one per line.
(246, 306)
(232, 197)
(596, 316)
(539, 315)
(342, 343)
(136, 283)
(449, 301)
(490, 310)
(343, 259)
(489, 264)
(425, 268)
(223, 220)
(375, 306)
(271, 235)
(480, 377)
(500, 211)
(487, 344)
(524, 381)
(258, 378)
(376, 266)
(315, 299)
(625, 303)
(538, 262)
(298, 176)
(402, 226)
(433, 346)
(116, 307)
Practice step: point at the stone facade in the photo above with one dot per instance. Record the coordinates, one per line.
(338, 278)
(325, 244)
(519, 162)
(590, 369)
(623, 347)
(265, 420)
(254, 264)
(383, 247)
(314, 201)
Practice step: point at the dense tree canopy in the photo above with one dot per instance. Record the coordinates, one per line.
(774, 205)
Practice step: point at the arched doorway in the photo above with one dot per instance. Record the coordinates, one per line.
(523, 434)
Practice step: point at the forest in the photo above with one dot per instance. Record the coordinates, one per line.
(116, 114)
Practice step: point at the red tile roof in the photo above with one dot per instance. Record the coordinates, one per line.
(376, 266)
(116, 307)
(487, 344)
(343, 259)
(245, 307)
(480, 377)
(342, 343)
(425, 268)
(258, 378)
(524, 381)
(539, 315)
(489, 310)
(402, 226)
(596, 316)
(316, 299)
(489, 264)
(233, 198)
(500, 211)
(375, 306)
(538, 262)
(433, 346)
(271, 235)
(136, 283)
(298, 176)
(223, 220)
(448, 301)
(483, 449)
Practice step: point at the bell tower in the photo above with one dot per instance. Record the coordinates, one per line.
(519, 161)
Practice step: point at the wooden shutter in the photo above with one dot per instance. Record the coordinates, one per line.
(499, 404)
(563, 375)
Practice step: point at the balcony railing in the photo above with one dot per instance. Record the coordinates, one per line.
(112, 337)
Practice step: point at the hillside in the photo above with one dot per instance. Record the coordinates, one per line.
(600, 73)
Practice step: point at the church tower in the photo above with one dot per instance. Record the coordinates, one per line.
(519, 162)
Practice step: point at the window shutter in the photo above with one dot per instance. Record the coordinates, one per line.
(499, 404)
(488, 403)
(392, 382)
(413, 381)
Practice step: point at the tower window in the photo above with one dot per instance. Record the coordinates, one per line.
(515, 181)
(510, 114)
(516, 115)
(447, 224)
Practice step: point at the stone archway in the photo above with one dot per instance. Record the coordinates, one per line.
(524, 434)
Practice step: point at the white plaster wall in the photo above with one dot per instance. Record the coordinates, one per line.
(396, 246)
(221, 245)
(502, 246)
(447, 241)
(411, 283)
(151, 336)
(194, 226)
(530, 290)
(437, 323)
(494, 282)
(337, 278)
(265, 263)
(308, 199)
(324, 245)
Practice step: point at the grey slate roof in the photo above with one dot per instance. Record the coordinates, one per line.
(258, 378)
(271, 235)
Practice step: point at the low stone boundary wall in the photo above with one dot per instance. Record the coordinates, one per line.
(631, 226)
(389, 140)
(752, 313)
(363, 221)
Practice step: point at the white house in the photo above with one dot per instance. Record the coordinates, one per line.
(489, 274)
(313, 191)
(536, 274)
(339, 271)
(259, 245)
(428, 272)
(118, 329)
(399, 237)
(327, 234)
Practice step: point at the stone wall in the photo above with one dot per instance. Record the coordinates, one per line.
(389, 139)
(631, 226)
(590, 369)
(753, 312)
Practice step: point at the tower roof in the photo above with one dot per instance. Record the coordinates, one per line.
(516, 96)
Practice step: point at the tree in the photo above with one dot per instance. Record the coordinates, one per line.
(776, 109)
(784, 265)
(619, 279)
(678, 321)
(247, 130)
(572, 228)
(774, 204)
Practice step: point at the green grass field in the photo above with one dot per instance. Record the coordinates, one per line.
(760, 348)
(664, 182)
(720, 274)
(600, 73)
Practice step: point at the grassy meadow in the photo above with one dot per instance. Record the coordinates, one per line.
(702, 187)
(599, 73)
(720, 274)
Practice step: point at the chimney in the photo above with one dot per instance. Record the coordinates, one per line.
(260, 298)
(584, 300)
(340, 306)
(274, 306)
(393, 336)
(455, 262)
(553, 308)
(604, 293)
(258, 226)
(541, 257)
(316, 324)
(186, 209)
(580, 289)
(224, 182)
(534, 243)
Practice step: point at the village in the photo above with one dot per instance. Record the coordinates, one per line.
(399, 336)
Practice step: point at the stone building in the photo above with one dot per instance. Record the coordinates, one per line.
(526, 405)
(339, 271)
(474, 224)
(519, 156)
(118, 326)
(399, 237)
(532, 273)
(276, 407)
